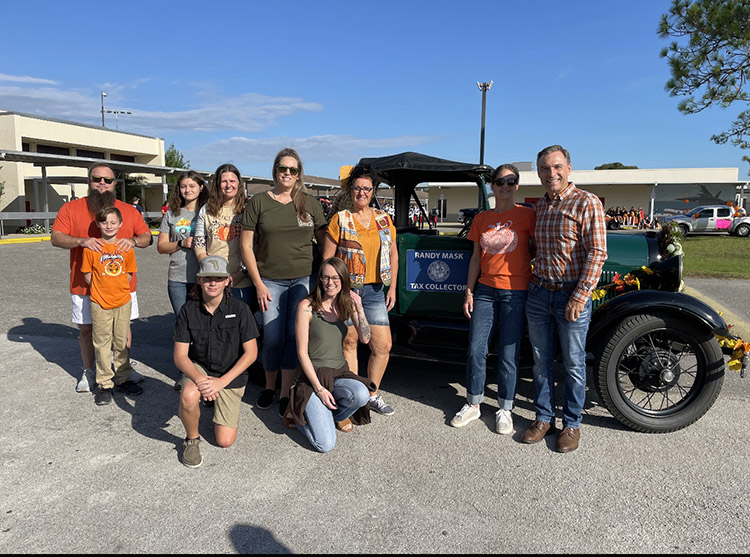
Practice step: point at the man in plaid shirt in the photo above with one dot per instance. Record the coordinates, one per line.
(571, 240)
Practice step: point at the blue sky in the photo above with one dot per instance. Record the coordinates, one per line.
(237, 81)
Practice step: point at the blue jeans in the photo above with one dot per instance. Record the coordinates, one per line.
(179, 293)
(320, 429)
(494, 307)
(279, 338)
(545, 312)
(243, 294)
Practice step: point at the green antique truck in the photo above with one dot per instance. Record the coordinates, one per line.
(657, 364)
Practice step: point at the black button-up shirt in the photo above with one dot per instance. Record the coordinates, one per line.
(215, 340)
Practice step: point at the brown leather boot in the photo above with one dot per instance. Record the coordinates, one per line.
(536, 431)
(568, 440)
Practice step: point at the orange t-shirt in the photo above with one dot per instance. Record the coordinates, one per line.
(369, 239)
(110, 287)
(74, 219)
(504, 241)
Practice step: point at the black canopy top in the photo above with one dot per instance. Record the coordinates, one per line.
(410, 169)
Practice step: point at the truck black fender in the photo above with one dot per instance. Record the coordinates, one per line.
(637, 302)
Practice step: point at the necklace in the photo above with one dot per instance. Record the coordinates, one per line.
(364, 221)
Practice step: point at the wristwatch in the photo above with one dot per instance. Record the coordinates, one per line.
(179, 244)
(244, 270)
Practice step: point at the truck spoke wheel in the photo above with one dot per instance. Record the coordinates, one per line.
(658, 373)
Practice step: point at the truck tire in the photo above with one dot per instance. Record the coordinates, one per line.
(684, 229)
(742, 230)
(657, 374)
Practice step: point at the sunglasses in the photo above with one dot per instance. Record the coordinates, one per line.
(97, 179)
(361, 190)
(293, 170)
(510, 180)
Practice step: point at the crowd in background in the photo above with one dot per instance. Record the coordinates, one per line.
(620, 217)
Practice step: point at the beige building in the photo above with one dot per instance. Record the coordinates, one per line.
(655, 190)
(28, 133)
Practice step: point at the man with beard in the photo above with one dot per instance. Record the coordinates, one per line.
(74, 229)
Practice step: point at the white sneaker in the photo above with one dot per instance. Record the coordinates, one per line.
(83, 385)
(136, 377)
(503, 422)
(467, 414)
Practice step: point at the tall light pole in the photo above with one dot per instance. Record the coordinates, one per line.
(103, 95)
(483, 87)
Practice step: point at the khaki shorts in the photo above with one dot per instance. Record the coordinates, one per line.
(227, 406)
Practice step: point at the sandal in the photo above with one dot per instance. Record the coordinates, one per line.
(345, 426)
(288, 421)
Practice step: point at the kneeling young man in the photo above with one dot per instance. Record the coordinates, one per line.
(214, 344)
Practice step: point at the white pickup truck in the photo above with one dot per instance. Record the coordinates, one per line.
(712, 218)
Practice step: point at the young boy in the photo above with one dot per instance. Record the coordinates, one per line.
(108, 273)
(214, 344)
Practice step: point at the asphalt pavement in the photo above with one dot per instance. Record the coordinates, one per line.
(77, 478)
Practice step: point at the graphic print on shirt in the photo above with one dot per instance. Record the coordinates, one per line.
(183, 228)
(307, 222)
(499, 238)
(224, 232)
(112, 263)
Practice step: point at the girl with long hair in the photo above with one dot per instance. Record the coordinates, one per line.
(176, 235)
(217, 231)
(327, 392)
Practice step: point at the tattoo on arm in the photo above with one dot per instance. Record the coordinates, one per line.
(364, 326)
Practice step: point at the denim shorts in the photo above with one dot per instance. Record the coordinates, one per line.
(373, 302)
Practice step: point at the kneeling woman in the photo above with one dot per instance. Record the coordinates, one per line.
(326, 391)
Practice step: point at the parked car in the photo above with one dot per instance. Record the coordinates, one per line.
(657, 364)
(712, 218)
(466, 215)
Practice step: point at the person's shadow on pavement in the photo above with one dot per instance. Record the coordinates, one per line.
(37, 333)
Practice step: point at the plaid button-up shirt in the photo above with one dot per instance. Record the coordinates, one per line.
(571, 240)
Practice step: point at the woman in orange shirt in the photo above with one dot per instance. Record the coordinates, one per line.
(496, 290)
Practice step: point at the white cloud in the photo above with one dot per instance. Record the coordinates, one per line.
(317, 147)
(50, 101)
(26, 79)
(248, 112)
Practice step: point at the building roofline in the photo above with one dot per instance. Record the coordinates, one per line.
(4, 112)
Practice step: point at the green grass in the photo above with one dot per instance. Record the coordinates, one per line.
(714, 256)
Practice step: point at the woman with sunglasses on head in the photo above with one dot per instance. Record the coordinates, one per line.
(326, 393)
(176, 235)
(278, 229)
(217, 230)
(365, 238)
(496, 290)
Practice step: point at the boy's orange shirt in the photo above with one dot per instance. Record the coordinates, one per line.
(110, 287)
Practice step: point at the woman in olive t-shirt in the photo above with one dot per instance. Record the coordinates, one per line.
(282, 223)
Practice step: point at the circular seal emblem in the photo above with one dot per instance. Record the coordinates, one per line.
(438, 271)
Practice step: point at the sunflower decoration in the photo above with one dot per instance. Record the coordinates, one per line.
(620, 284)
(738, 349)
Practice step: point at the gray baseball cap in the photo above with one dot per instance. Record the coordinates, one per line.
(213, 266)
